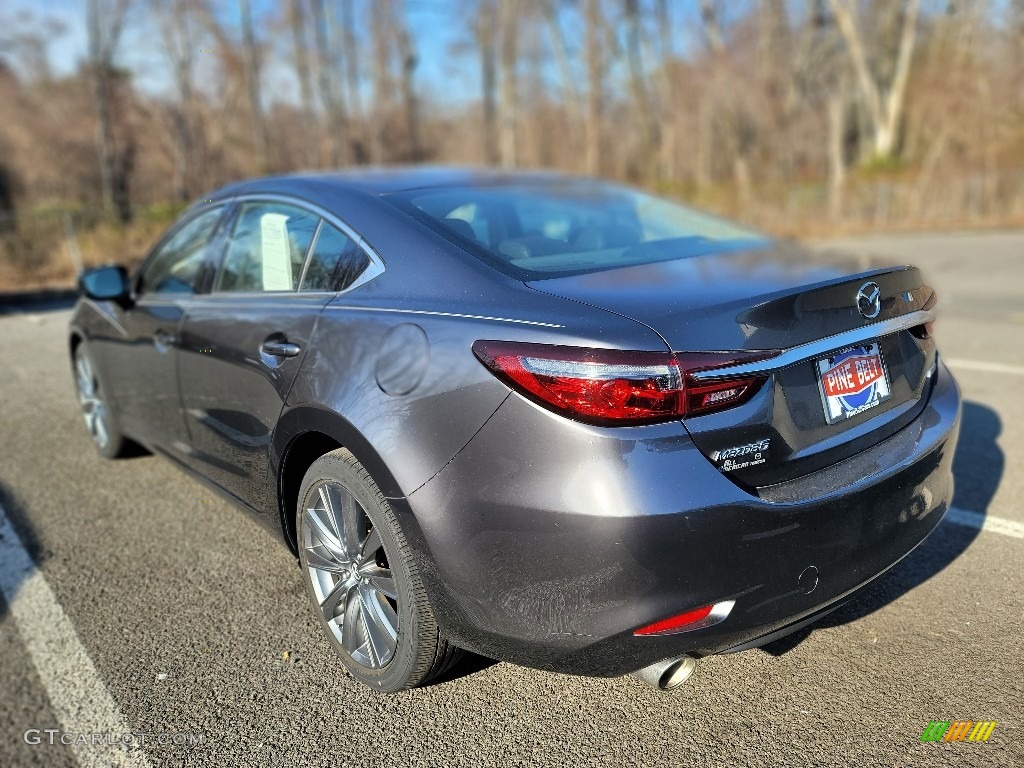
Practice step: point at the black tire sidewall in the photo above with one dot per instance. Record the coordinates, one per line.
(341, 467)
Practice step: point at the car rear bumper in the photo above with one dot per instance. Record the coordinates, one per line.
(554, 561)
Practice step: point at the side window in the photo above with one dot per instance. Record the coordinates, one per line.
(177, 265)
(335, 263)
(267, 248)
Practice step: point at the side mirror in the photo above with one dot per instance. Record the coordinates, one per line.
(106, 284)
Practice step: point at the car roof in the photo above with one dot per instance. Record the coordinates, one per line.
(383, 181)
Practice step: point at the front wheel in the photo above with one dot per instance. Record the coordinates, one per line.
(109, 442)
(363, 581)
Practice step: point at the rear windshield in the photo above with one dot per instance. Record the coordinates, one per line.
(534, 232)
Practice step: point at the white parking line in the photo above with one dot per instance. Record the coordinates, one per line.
(77, 695)
(984, 365)
(988, 523)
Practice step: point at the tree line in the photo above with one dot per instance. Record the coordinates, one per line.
(737, 104)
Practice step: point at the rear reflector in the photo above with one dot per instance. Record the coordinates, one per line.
(698, 618)
(613, 387)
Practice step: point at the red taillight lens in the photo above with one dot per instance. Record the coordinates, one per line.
(676, 623)
(616, 387)
(698, 618)
(599, 386)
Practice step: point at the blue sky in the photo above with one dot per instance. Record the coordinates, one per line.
(434, 22)
(439, 26)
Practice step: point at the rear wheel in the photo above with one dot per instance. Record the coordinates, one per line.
(363, 581)
(109, 442)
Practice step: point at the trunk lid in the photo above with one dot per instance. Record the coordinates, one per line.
(785, 298)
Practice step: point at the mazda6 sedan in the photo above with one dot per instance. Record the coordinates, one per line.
(546, 419)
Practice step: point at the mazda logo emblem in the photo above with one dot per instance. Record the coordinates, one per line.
(869, 301)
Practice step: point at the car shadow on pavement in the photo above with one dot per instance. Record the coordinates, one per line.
(977, 470)
(26, 532)
(47, 300)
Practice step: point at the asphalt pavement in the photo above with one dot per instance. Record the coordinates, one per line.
(146, 610)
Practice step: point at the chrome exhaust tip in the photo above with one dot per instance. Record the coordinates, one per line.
(669, 673)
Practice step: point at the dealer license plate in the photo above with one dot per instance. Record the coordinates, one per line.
(852, 381)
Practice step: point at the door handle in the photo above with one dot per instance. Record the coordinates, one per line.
(281, 348)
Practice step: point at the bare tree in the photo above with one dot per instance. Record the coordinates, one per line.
(381, 77)
(252, 58)
(818, 81)
(227, 106)
(884, 109)
(666, 88)
(298, 20)
(486, 33)
(836, 154)
(727, 117)
(175, 18)
(712, 27)
(778, 92)
(642, 162)
(30, 45)
(708, 110)
(573, 101)
(508, 125)
(329, 75)
(351, 44)
(1017, 26)
(773, 34)
(105, 24)
(594, 22)
(409, 59)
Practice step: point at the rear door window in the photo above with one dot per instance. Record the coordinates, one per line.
(267, 248)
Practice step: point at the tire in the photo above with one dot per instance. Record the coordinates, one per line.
(106, 437)
(363, 581)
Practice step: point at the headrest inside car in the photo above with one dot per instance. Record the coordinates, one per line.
(518, 248)
(461, 227)
(607, 236)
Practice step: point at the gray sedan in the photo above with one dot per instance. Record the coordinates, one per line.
(545, 419)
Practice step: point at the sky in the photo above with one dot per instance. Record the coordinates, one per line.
(439, 27)
(434, 24)
(431, 21)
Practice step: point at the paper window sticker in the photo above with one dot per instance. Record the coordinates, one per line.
(277, 261)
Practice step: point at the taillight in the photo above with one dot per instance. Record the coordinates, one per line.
(612, 387)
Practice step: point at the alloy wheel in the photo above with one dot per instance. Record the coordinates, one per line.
(93, 408)
(349, 572)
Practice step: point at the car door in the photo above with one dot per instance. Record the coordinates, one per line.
(244, 342)
(142, 364)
